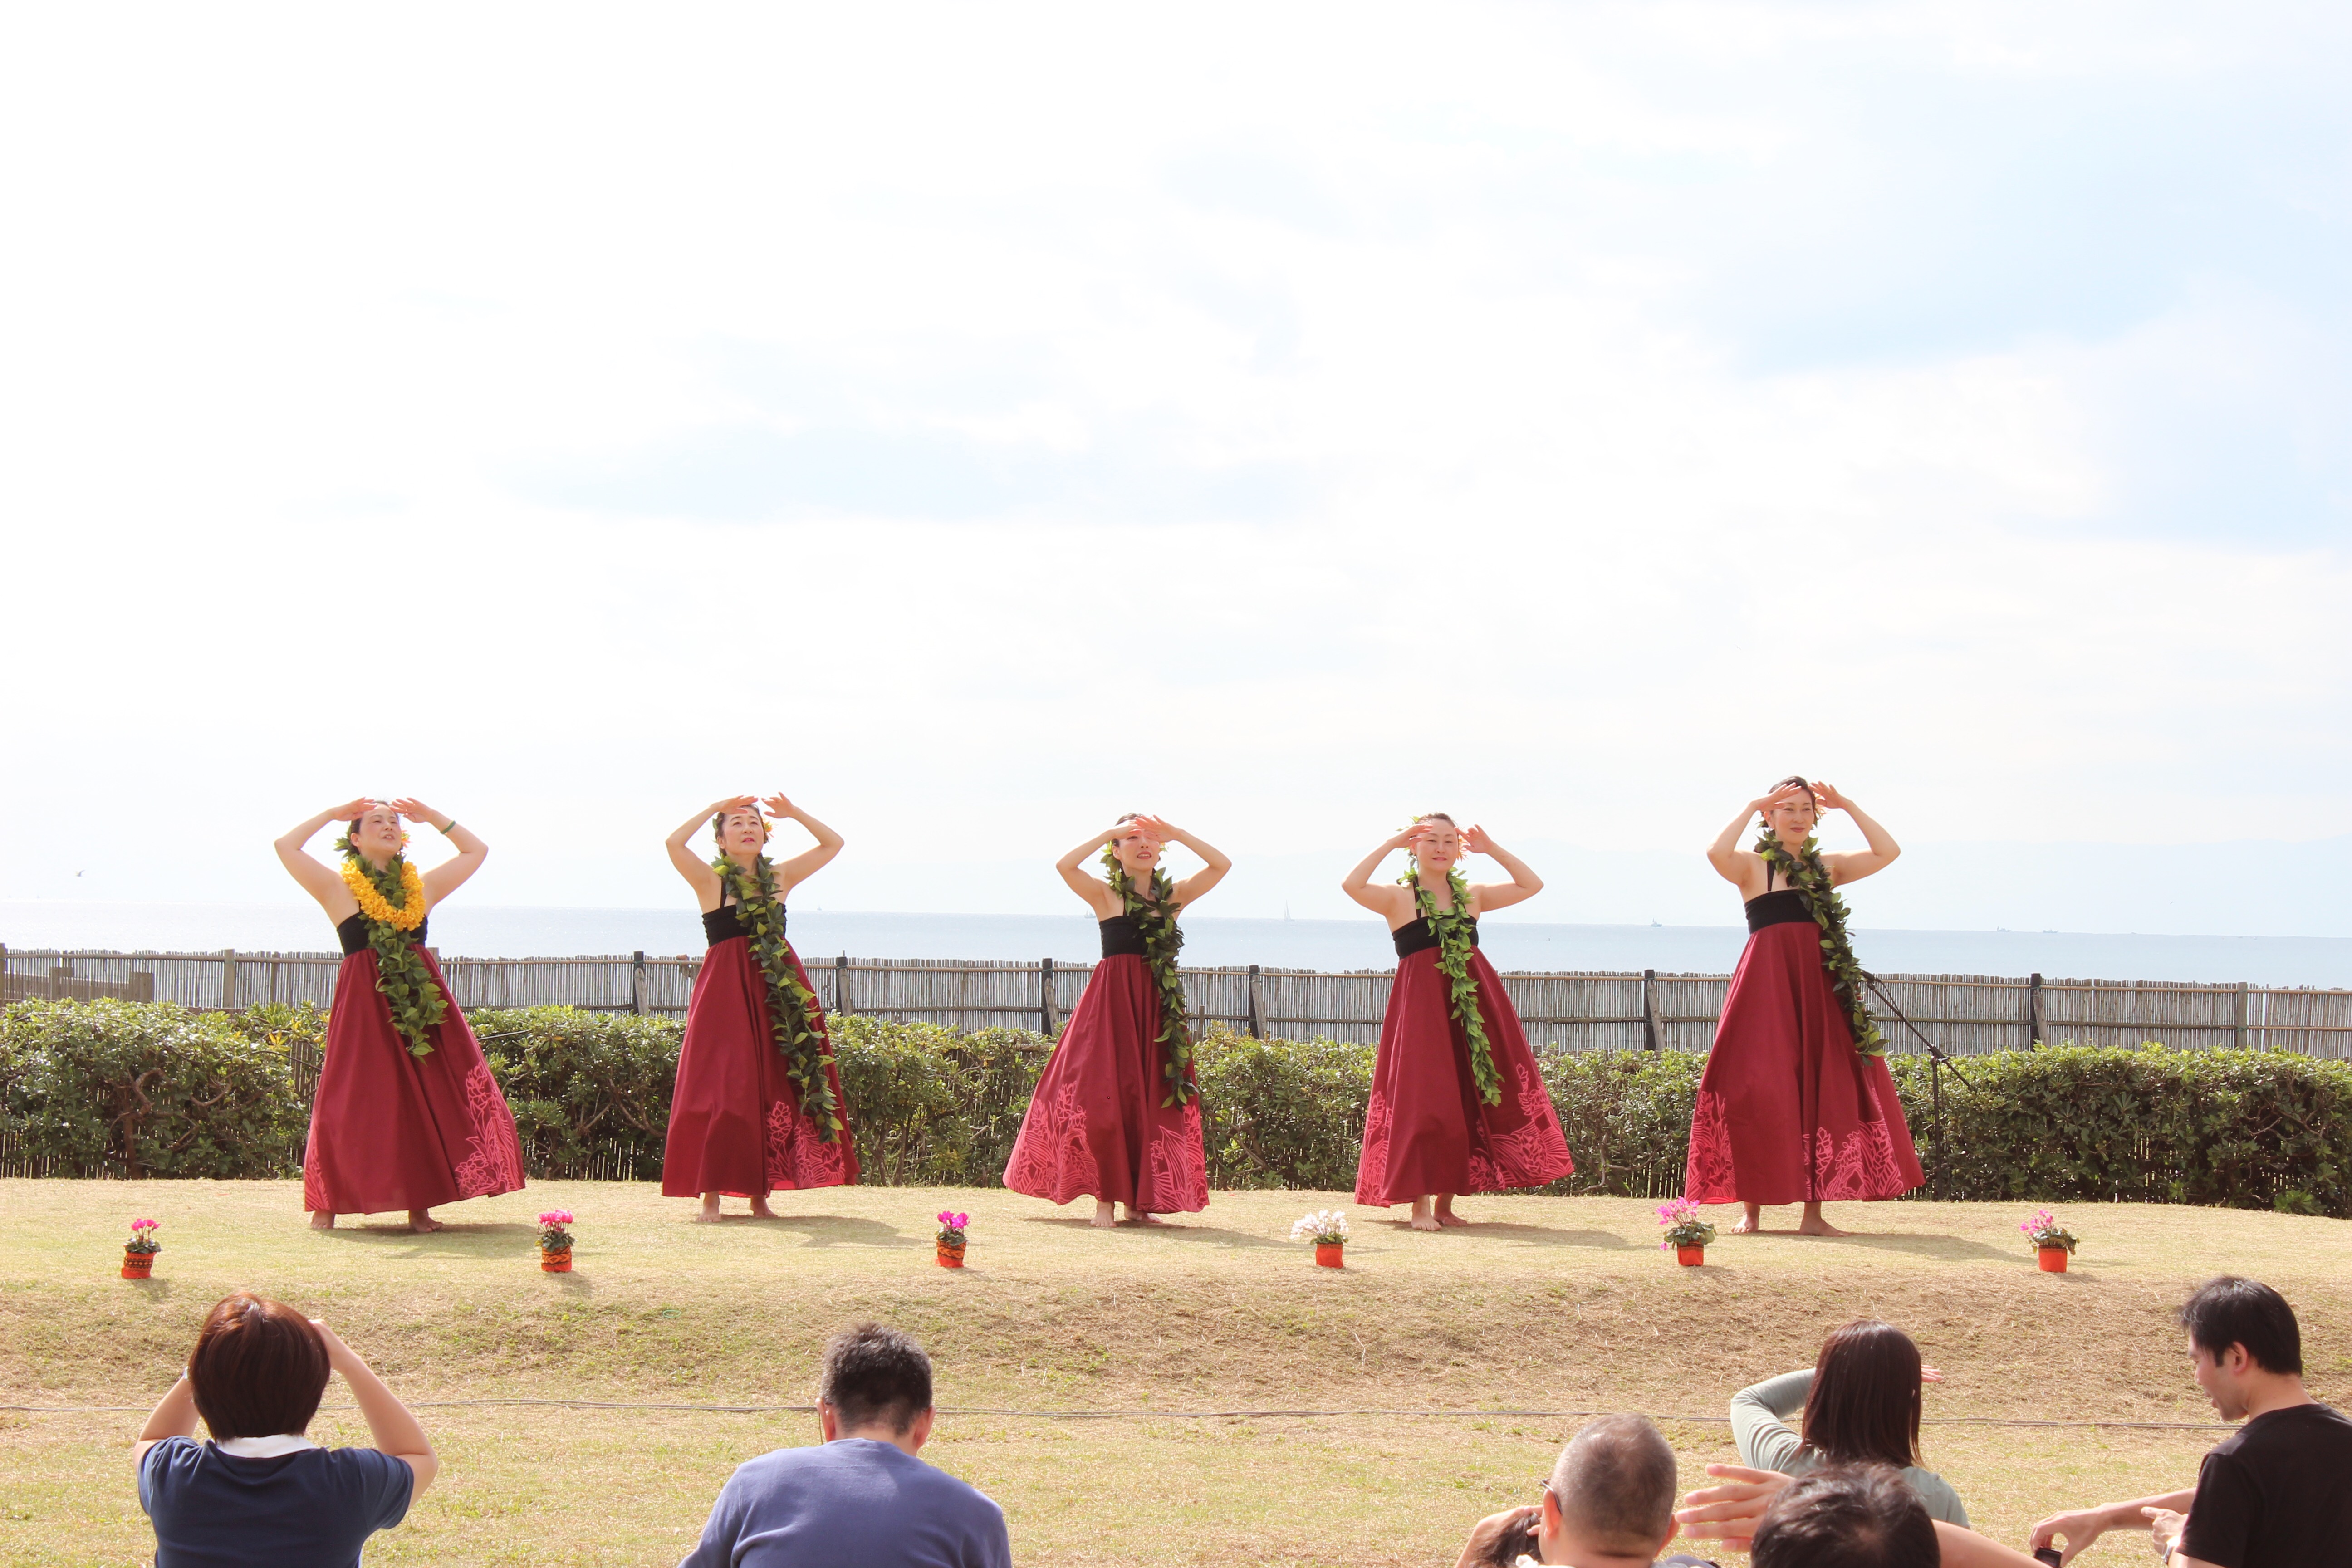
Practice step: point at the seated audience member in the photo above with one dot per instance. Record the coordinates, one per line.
(1609, 1504)
(1846, 1516)
(1861, 1402)
(260, 1491)
(2276, 1493)
(1733, 1510)
(862, 1499)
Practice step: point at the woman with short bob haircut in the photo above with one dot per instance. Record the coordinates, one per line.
(1861, 1402)
(260, 1491)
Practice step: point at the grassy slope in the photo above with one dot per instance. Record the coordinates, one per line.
(1553, 1304)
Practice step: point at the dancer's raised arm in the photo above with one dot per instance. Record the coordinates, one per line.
(1856, 864)
(1086, 884)
(689, 861)
(1395, 902)
(319, 880)
(1199, 881)
(450, 875)
(1485, 896)
(805, 864)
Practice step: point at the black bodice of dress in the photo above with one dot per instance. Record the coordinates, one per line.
(354, 933)
(1123, 934)
(1417, 935)
(723, 923)
(1784, 908)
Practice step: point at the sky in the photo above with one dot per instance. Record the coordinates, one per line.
(980, 422)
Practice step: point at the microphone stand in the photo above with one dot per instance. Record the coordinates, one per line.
(1937, 1060)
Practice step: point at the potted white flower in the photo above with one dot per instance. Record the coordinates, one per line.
(1327, 1229)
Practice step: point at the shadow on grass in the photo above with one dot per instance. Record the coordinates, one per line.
(1517, 1234)
(451, 1240)
(1949, 1248)
(1174, 1230)
(842, 1230)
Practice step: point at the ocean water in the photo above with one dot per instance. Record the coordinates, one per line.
(523, 932)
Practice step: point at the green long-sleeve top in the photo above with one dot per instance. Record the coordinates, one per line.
(1759, 1425)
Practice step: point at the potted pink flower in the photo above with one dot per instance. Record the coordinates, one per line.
(1327, 1229)
(555, 1241)
(2052, 1242)
(1687, 1234)
(139, 1252)
(951, 1238)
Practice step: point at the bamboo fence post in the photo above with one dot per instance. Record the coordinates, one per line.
(2242, 1015)
(2033, 1012)
(228, 979)
(1652, 1031)
(840, 983)
(1256, 1019)
(1045, 996)
(638, 983)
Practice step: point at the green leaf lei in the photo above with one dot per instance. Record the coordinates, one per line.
(793, 1016)
(1805, 872)
(1156, 918)
(416, 1003)
(1453, 928)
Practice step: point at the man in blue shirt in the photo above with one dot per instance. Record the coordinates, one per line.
(862, 1500)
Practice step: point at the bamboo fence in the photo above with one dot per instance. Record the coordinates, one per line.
(1966, 1014)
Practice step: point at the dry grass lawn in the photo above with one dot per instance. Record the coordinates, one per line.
(1547, 1306)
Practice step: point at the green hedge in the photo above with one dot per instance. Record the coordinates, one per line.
(149, 1089)
(143, 1089)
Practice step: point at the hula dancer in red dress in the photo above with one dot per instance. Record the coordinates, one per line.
(1115, 1116)
(406, 1114)
(758, 1105)
(1458, 1105)
(1796, 1105)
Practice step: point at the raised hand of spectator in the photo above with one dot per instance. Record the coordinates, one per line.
(1729, 1512)
(1500, 1540)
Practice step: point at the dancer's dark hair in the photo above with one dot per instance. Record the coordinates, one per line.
(1801, 780)
(1865, 1403)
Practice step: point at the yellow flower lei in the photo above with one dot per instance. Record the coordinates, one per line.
(372, 904)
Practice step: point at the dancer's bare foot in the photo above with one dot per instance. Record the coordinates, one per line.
(323, 1220)
(1445, 1214)
(708, 1213)
(1750, 1222)
(760, 1210)
(1422, 1218)
(422, 1222)
(1106, 1215)
(1814, 1225)
(1143, 1216)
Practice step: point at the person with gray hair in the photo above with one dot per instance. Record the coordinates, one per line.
(1609, 1504)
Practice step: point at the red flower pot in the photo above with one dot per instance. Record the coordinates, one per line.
(2053, 1260)
(952, 1253)
(1690, 1257)
(1330, 1254)
(138, 1265)
(555, 1262)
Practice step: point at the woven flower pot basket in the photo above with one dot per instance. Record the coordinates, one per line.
(2054, 1260)
(952, 1253)
(555, 1261)
(1330, 1254)
(1690, 1257)
(138, 1265)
